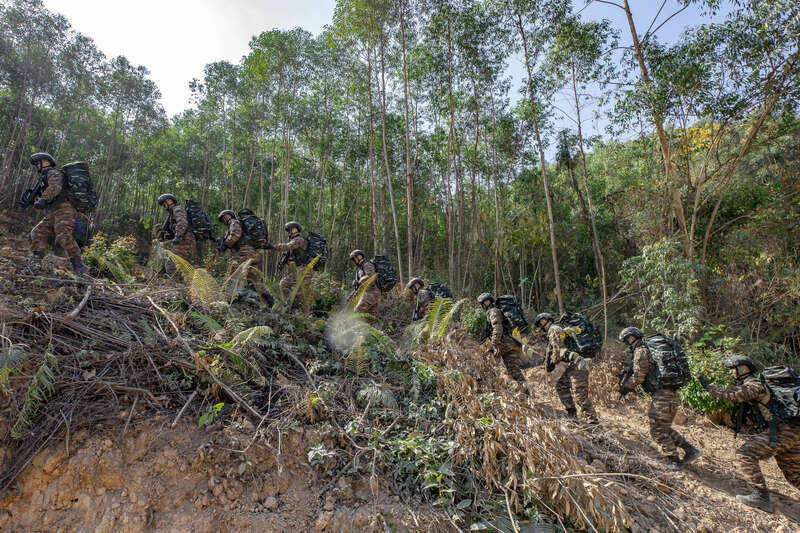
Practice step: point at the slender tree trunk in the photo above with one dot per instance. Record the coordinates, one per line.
(409, 171)
(543, 163)
(371, 133)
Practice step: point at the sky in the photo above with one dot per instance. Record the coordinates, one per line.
(175, 39)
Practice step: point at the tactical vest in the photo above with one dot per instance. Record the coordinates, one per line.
(298, 255)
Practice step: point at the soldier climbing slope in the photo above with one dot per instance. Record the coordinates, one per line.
(237, 241)
(60, 218)
(368, 303)
(663, 387)
(176, 229)
(294, 251)
(503, 344)
(573, 385)
(426, 294)
(769, 400)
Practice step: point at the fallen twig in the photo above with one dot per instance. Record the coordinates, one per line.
(180, 413)
(81, 305)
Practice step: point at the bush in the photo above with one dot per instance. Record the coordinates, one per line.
(113, 260)
(327, 292)
(705, 358)
(474, 321)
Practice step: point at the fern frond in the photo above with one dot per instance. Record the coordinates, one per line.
(183, 266)
(205, 288)
(206, 321)
(357, 361)
(248, 336)
(40, 388)
(235, 281)
(300, 277)
(441, 327)
(377, 395)
(351, 305)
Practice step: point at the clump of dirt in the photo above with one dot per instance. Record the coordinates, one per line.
(155, 478)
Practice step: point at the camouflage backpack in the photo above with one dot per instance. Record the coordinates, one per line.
(80, 187)
(514, 316)
(440, 290)
(316, 245)
(783, 385)
(254, 228)
(582, 336)
(387, 278)
(669, 368)
(199, 222)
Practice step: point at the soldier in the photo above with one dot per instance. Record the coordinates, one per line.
(60, 217)
(573, 385)
(177, 230)
(368, 303)
(782, 442)
(235, 240)
(425, 298)
(664, 404)
(294, 256)
(504, 346)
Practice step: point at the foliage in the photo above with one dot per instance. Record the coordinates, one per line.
(204, 287)
(665, 287)
(114, 260)
(41, 386)
(705, 359)
(210, 414)
(474, 320)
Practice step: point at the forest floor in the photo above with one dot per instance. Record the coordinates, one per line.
(140, 461)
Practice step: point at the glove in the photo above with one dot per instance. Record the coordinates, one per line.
(177, 240)
(41, 203)
(579, 361)
(221, 245)
(703, 381)
(268, 246)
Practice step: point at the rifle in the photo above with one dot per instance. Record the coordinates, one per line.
(628, 372)
(284, 261)
(164, 233)
(30, 195)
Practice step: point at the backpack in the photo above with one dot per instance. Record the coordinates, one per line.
(254, 229)
(670, 368)
(199, 221)
(514, 316)
(387, 278)
(80, 187)
(582, 336)
(783, 385)
(316, 245)
(440, 290)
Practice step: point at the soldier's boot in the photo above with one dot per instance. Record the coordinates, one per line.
(36, 260)
(759, 499)
(690, 454)
(572, 413)
(673, 460)
(78, 267)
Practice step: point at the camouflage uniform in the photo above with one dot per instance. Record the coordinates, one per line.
(509, 350)
(59, 220)
(424, 300)
(243, 252)
(757, 447)
(662, 409)
(372, 295)
(179, 226)
(575, 378)
(294, 247)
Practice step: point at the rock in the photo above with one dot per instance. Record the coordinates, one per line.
(271, 503)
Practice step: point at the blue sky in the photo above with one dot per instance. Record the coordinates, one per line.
(175, 39)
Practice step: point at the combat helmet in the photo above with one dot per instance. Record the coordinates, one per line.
(164, 197)
(356, 253)
(484, 297)
(42, 156)
(415, 281)
(292, 224)
(543, 316)
(733, 361)
(630, 331)
(226, 212)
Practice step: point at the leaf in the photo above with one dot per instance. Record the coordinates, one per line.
(463, 504)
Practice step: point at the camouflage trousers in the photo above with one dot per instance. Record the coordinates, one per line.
(661, 414)
(289, 280)
(369, 301)
(511, 354)
(786, 453)
(185, 250)
(573, 387)
(61, 223)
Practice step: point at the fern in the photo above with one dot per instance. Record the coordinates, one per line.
(306, 272)
(357, 361)
(351, 305)
(441, 327)
(39, 390)
(183, 266)
(205, 288)
(235, 281)
(376, 394)
(248, 336)
(206, 321)
(439, 317)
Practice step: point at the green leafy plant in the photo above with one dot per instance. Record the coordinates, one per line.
(39, 390)
(114, 260)
(210, 414)
(708, 364)
(474, 321)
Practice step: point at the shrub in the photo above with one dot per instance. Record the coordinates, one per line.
(474, 321)
(705, 358)
(114, 260)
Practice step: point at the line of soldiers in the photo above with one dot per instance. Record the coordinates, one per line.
(780, 439)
